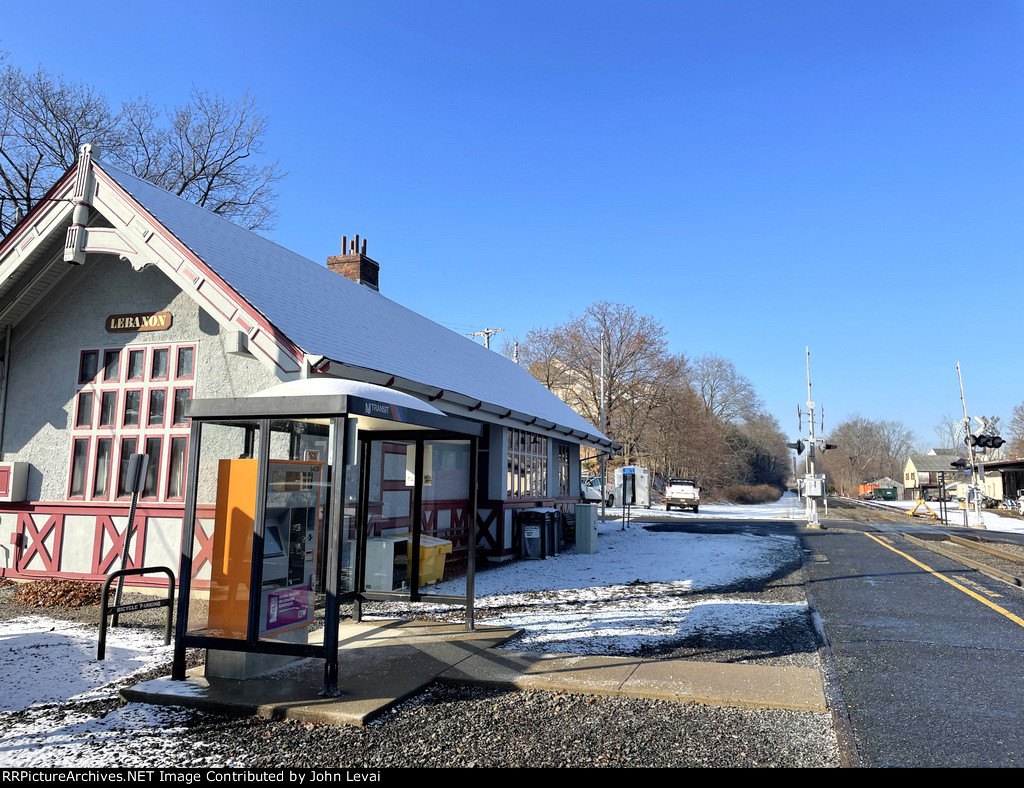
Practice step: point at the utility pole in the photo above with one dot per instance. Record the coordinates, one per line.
(604, 470)
(811, 500)
(486, 334)
(976, 489)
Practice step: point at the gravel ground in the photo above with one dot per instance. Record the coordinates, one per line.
(463, 726)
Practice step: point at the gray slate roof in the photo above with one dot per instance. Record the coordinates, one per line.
(932, 462)
(323, 313)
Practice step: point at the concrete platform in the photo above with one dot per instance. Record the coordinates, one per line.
(384, 662)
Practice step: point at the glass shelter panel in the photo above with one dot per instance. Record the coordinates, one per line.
(295, 531)
(445, 535)
(349, 539)
(390, 500)
(226, 499)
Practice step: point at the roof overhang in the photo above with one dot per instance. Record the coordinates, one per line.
(318, 400)
(456, 404)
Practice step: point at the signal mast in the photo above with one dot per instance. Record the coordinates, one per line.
(811, 485)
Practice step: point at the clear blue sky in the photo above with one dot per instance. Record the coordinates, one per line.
(760, 176)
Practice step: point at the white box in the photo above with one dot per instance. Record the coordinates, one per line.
(13, 481)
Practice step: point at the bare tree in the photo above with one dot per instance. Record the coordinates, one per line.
(866, 450)
(1016, 430)
(896, 442)
(43, 121)
(208, 150)
(209, 154)
(758, 451)
(638, 369)
(543, 354)
(949, 433)
(727, 394)
(683, 439)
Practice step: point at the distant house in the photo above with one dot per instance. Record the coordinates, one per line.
(922, 473)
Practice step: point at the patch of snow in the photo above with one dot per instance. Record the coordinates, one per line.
(50, 677)
(56, 661)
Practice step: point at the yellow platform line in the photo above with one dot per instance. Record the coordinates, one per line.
(972, 594)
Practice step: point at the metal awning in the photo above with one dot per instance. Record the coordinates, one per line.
(376, 407)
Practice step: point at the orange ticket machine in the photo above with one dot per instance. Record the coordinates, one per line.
(291, 535)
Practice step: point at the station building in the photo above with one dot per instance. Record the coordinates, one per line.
(121, 304)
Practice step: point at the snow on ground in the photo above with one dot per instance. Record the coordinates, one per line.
(788, 507)
(992, 520)
(62, 664)
(590, 603)
(575, 603)
(48, 690)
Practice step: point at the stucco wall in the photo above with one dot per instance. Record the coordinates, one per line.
(45, 357)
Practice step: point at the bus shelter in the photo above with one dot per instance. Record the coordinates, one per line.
(310, 495)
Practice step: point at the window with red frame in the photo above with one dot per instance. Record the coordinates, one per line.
(129, 400)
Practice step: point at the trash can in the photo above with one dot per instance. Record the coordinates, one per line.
(533, 544)
(586, 528)
(540, 532)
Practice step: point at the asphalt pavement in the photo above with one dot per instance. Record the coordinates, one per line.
(926, 652)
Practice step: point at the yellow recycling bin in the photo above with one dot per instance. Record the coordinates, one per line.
(433, 553)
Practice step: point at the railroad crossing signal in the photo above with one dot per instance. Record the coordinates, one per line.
(818, 443)
(984, 441)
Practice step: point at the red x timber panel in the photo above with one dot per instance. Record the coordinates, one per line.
(46, 545)
(107, 534)
(34, 542)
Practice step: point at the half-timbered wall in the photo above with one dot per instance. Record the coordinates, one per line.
(59, 535)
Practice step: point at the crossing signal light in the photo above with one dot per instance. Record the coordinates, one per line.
(985, 441)
(799, 446)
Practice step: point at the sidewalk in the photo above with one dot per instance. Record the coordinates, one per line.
(384, 662)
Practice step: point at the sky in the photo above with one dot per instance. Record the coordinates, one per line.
(763, 177)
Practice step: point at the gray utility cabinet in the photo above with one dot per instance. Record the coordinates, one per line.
(586, 528)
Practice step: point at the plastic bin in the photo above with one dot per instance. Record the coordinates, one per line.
(433, 554)
(541, 532)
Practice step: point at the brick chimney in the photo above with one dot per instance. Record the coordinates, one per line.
(354, 264)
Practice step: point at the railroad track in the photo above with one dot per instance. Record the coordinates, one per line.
(1001, 563)
(1004, 562)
